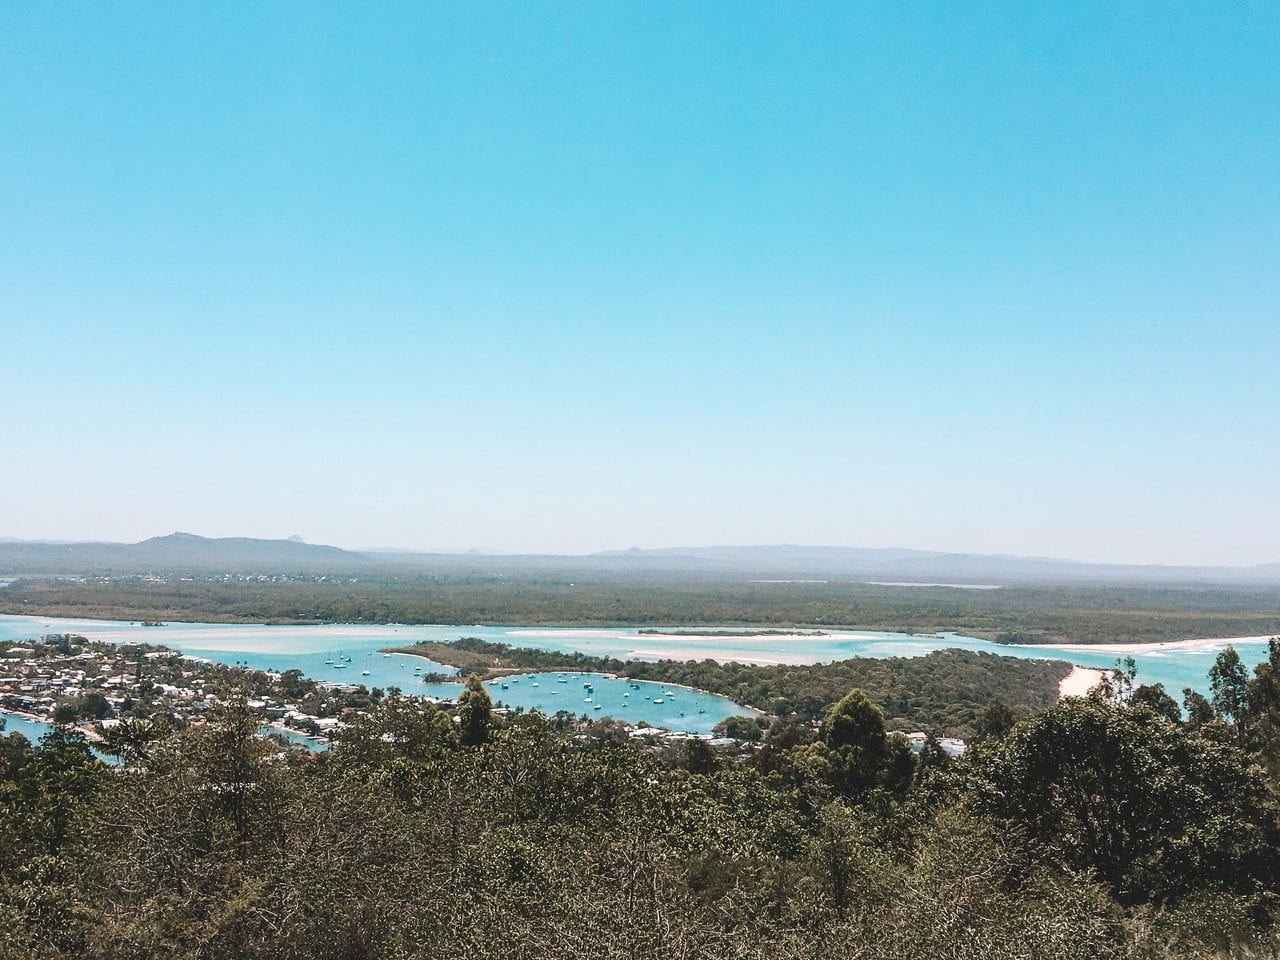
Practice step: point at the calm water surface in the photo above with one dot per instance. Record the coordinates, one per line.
(309, 648)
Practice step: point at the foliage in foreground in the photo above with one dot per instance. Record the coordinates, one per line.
(1097, 829)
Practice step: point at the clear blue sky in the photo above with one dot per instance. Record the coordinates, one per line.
(566, 277)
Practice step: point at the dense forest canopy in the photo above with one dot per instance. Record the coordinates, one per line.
(1097, 828)
(1016, 614)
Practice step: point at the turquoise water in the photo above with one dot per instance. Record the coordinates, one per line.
(33, 730)
(312, 745)
(316, 651)
(307, 648)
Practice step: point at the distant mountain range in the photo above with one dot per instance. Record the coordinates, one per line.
(177, 551)
(896, 564)
(185, 552)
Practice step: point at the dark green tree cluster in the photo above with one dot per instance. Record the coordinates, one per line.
(1097, 828)
(946, 691)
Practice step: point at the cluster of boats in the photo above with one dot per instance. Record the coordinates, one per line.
(343, 662)
(588, 687)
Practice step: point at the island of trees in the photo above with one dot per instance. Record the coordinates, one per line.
(943, 693)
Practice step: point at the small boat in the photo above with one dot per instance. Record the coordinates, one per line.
(506, 687)
(596, 707)
(386, 656)
(626, 694)
(658, 701)
(339, 666)
(587, 700)
(535, 683)
(562, 680)
(329, 663)
(364, 673)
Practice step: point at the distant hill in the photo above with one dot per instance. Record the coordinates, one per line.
(896, 564)
(185, 552)
(177, 552)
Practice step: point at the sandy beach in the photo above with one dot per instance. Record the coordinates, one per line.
(1208, 643)
(747, 657)
(1079, 682)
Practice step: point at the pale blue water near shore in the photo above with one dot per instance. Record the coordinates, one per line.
(310, 649)
(33, 730)
(307, 648)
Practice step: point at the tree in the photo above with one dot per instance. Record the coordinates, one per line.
(65, 714)
(1153, 697)
(95, 706)
(1155, 811)
(1264, 706)
(856, 723)
(852, 744)
(1199, 709)
(696, 756)
(1229, 683)
(739, 728)
(995, 721)
(899, 764)
(475, 711)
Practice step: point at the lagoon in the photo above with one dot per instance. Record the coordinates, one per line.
(307, 648)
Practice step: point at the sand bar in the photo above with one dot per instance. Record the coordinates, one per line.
(1189, 646)
(1079, 682)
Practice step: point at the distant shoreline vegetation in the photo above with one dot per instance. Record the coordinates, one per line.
(734, 633)
(1024, 614)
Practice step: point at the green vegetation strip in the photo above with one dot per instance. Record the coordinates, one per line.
(944, 692)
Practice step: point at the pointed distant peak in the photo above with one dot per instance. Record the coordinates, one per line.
(295, 539)
(634, 550)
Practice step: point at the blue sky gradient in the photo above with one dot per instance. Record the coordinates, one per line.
(566, 277)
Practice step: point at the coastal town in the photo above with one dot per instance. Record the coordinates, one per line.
(99, 689)
(112, 693)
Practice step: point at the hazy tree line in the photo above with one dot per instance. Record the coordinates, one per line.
(1024, 614)
(1109, 827)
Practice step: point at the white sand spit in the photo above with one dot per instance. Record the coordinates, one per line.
(1079, 682)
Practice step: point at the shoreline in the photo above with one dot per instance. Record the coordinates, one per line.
(716, 632)
(277, 725)
(1079, 681)
(532, 671)
(93, 736)
(1198, 645)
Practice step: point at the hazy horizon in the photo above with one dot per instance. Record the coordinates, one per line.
(490, 551)
(562, 280)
